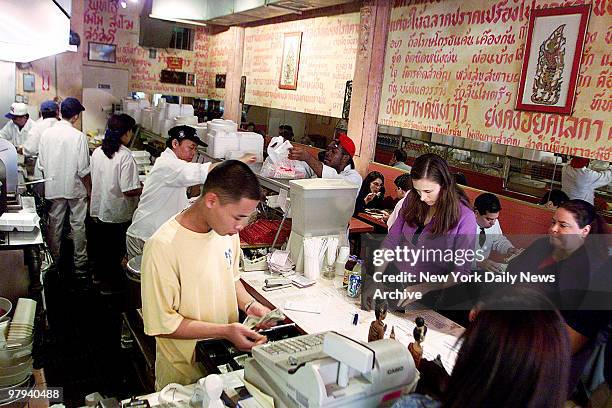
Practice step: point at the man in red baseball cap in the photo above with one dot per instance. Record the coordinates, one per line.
(337, 162)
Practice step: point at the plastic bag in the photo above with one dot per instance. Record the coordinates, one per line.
(277, 165)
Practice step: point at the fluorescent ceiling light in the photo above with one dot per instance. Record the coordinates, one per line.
(178, 20)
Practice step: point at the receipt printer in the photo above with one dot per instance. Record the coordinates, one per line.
(331, 370)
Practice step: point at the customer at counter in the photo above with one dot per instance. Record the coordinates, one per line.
(490, 236)
(337, 162)
(403, 183)
(191, 286)
(398, 160)
(436, 215)
(508, 358)
(580, 182)
(115, 188)
(576, 254)
(553, 199)
(372, 192)
(165, 189)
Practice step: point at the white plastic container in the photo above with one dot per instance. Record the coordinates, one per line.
(147, 118)
(186, 120)
(251, 142)
(172, 110)
(166, 126)
(221, 143)
(19, 221)
(187, 110)
(201, 129)
(321, 206)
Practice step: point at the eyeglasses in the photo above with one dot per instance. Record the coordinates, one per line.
(377, 184)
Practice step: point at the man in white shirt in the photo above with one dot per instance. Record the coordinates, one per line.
(337, 162)
(404, 185)
(64, 157)
(580, 182)
(489, 233)
(399, 160)
(17, 128)
(165, 188)
(49, 115)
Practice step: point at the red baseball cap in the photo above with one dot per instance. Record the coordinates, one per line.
(579, 162)
(347, 144)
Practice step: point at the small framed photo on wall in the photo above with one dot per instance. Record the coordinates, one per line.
(102, 52)
(551, 63)
(29, 82)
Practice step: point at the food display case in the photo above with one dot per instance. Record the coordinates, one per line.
(517, 172)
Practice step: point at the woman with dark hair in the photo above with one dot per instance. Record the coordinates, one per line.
(436, 218)
(574, 256)
(114, 196)
(514, 354)
(372, 192)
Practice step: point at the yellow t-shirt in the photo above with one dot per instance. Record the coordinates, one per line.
(186, 274)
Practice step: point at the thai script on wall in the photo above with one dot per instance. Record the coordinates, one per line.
(453, 67)
(327, 61)
(106, 22)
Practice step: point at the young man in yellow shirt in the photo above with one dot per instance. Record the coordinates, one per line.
(191, 286)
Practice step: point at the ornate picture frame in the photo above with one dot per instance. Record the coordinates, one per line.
(551, 61)
(290, 61)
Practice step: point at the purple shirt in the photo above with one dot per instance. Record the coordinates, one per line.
(460, 237)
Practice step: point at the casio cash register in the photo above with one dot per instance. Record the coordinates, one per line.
(331, 370)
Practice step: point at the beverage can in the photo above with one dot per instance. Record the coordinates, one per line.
(354, 285)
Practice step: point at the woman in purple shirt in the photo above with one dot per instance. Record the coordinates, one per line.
(436, 225)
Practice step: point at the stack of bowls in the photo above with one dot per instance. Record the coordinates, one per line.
(22, 326)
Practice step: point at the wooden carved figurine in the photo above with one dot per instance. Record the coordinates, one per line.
(415, 347)
(378, 326)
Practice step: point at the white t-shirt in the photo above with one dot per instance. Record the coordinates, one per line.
(30, 147)
(348, 174)
(165, 192)
(581, 183)
(191, 275)
(64, 156)
(110, 178)
(11, 132)
(495, 240)
(396, 211)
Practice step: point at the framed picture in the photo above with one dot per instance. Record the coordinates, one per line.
(190, 80)
(551, 62)
(102, 52)
(220, 81)
(290, 62)
(242, 89)
(29, 81)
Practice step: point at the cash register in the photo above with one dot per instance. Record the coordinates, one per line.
(331, 370)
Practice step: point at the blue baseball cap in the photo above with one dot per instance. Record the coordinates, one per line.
(49, 106)
(71, 107)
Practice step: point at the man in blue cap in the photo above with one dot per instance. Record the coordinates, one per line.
(17, 128)
(49, 115)
(64, 157)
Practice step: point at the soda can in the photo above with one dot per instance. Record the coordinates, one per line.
(354, 285)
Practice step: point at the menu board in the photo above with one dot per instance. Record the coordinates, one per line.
(453, 67)
(106, 22)
(326, 62)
